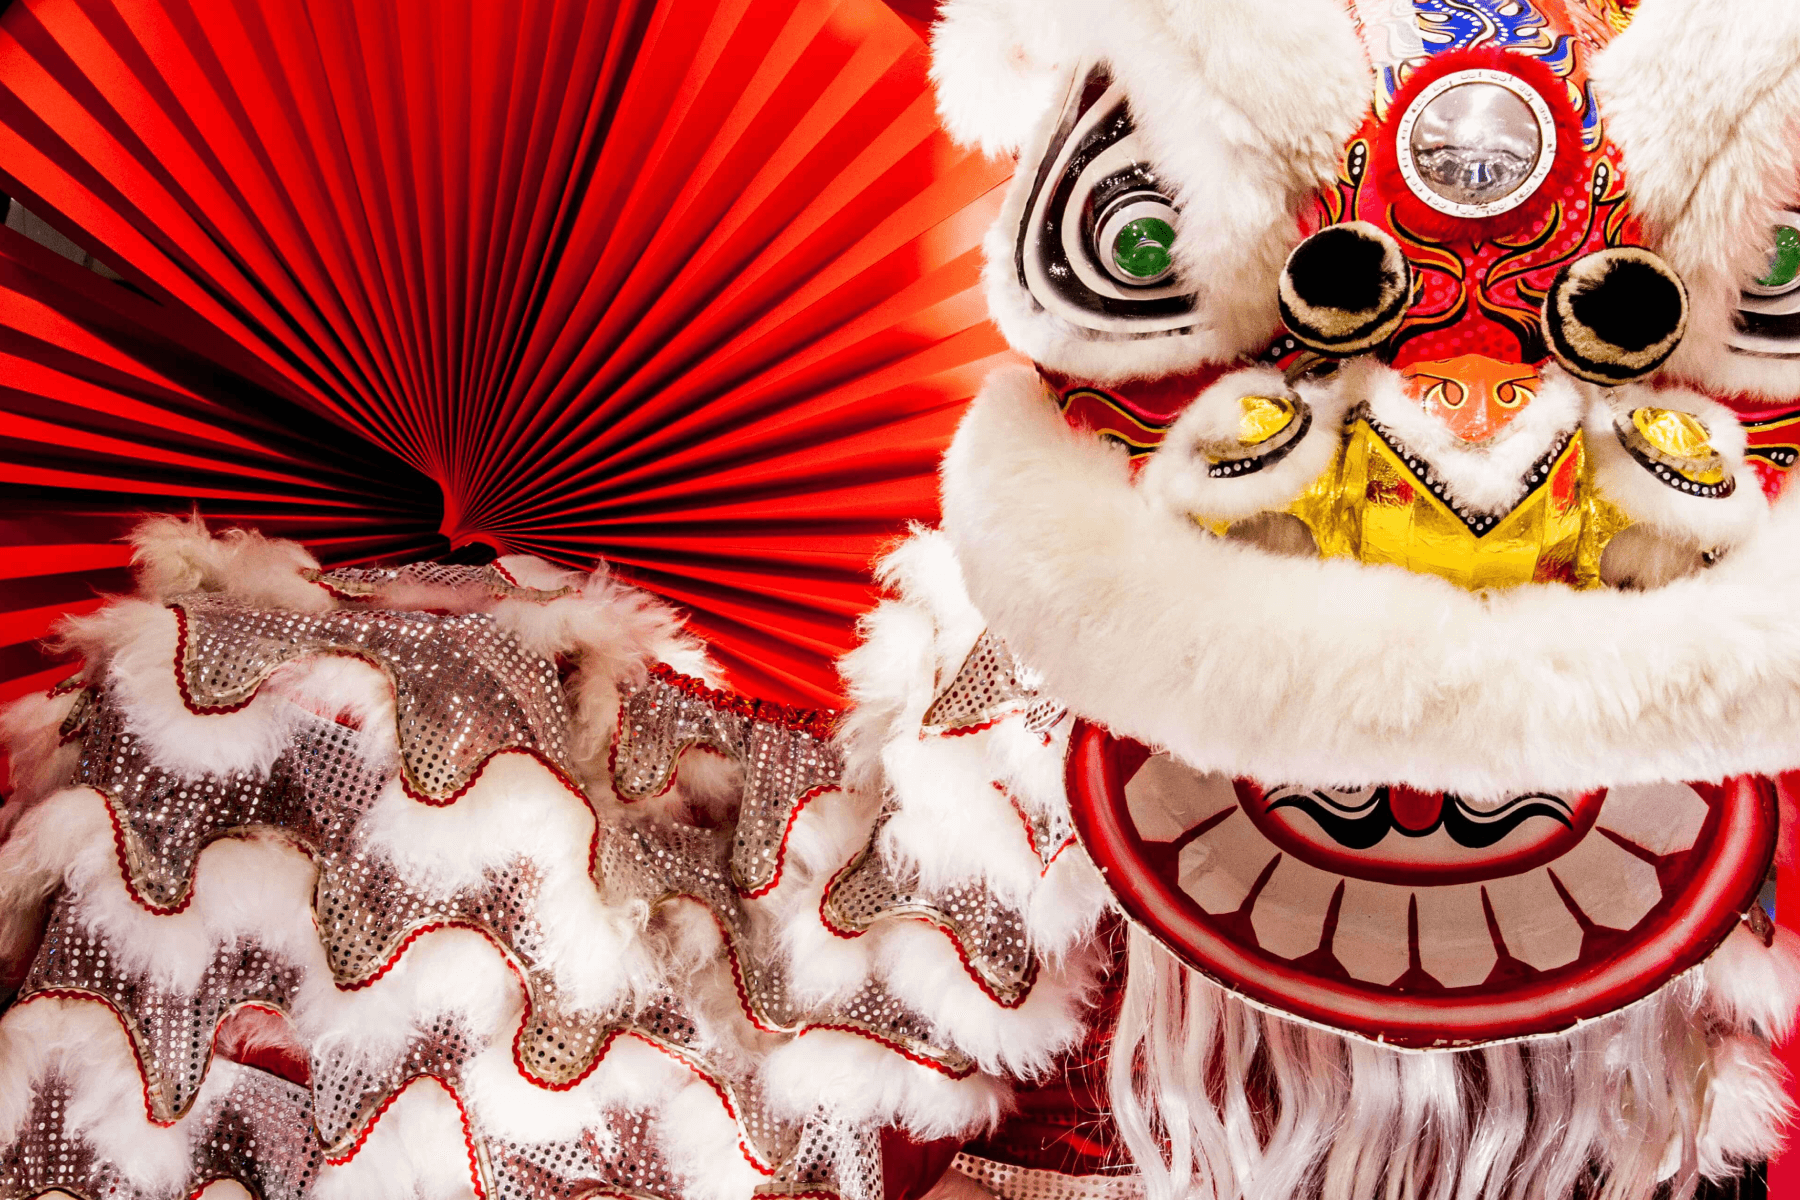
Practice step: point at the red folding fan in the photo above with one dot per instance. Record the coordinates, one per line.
(688, 285)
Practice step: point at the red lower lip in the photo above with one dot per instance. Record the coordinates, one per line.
(1706, 889)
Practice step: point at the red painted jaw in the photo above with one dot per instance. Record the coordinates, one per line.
(1521, 920)
(1136, 414)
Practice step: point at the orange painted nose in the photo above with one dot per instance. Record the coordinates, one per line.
(1474, 395)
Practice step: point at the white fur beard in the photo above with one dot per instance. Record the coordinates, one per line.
(1217, 1099)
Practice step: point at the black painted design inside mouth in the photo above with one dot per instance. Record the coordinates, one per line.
(1359, 827)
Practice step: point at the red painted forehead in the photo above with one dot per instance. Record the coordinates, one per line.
(1512, 72)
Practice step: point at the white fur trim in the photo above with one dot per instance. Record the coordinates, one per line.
(415, 1150)
(137, 641)
(1715, 523)
(1486, 477)
(1244, 109)
(84, 1044)
(1753, 987)
(176, 555)
(33, 859)
(1251, 664)
(38, 761)
(862, 1083)
(954, 824)
(1704, 99)
(1177, 473)
(995, 65)
(1745, 1110)
(518, 811)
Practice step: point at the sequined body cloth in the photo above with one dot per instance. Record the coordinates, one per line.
(465, 691)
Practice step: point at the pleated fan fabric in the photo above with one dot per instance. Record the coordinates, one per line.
(688, 285)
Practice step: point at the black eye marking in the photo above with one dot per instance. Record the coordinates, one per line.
(1068, 209)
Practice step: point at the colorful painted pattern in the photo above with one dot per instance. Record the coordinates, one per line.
(1401, 34)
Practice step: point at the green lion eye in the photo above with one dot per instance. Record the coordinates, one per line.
(1784, 260)
(1141, 248)
(1135, 239)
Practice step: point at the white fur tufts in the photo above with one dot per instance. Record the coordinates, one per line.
(176, 555)
(1280, 668)
(1753, 987)
(1704, 99)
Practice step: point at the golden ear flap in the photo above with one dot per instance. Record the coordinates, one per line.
(1615, 316)
(1345, 289)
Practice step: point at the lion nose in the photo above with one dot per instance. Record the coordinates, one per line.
(1473, 395)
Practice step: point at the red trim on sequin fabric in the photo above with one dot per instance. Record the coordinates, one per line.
(966, 730)
(1031, 838)
(419, 931)
(187, 697)
(188, 701)
(462, 1113)
(787, 831)
(335, 594)
(943, 927)
(819, 722)
(743, 992)
(124, 1027)
(718, 1089)
(131, 889)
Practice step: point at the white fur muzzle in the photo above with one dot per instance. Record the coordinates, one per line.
(1277, 668)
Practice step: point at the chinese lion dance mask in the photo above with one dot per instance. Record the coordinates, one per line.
(1334, 748)
(1396, 496)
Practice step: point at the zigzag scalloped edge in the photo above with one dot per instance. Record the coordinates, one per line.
(734, 953)
(352, 1144)
(404, 775)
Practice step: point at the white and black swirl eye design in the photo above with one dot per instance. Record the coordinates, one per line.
(1768, 318)
(1096, 243)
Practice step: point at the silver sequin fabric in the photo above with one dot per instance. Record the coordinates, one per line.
(833, 1157)
(464, 688)
(318, 792)
(371, 583)
(623, 1157)
(1050, 832)
(171, 1030)
(1009, 1182)
(348, 1090)
(988, 687)
(786, 755)
(257, 1132)
(989, 936)
(681, 861)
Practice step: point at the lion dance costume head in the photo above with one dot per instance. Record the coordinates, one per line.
(1396, 499)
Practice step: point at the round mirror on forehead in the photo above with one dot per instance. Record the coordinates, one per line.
(1476, 143)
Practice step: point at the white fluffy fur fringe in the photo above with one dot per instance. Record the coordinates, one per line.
(1218, 1100)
